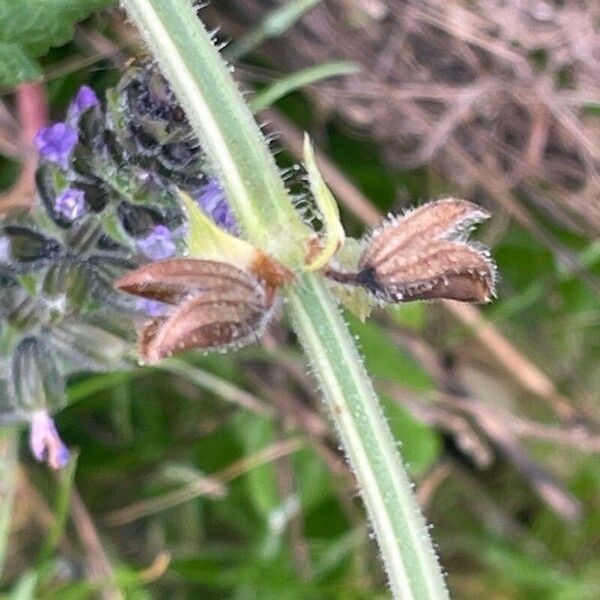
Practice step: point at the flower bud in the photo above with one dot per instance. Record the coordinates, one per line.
(70, 203)
(37, 381)
(44, 441)
(23, 249)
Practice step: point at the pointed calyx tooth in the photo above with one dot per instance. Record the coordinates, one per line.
(423, 255)
(449, 219)
(210, 321)
(215, 304)
(451, 270)
(171, 281)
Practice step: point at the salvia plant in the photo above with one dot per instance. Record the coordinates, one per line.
(108, 183)
(161, 211)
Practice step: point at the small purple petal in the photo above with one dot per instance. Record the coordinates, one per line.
(70, 204)
(153, 308)
(56, 143)
(213, 202)
(44, 441)
(158, 245)
(85, 98)
(5, 250)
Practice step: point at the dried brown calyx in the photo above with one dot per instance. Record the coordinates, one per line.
(424, 255)
(215, 305)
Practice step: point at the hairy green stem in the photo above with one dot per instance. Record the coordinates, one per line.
(401, 531)
(235, 145)
(220, 116)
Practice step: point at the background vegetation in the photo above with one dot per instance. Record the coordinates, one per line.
(220, 478)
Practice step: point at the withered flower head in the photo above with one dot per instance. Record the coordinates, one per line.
(424, 255)
(214, 304)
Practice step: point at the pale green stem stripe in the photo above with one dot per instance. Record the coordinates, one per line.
(236, 147)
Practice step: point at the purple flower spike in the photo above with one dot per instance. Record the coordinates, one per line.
(85, 98)
(152, 308)
(56, 143)
(158, 245)
(213, 202)
(70, 204)
(44, 441)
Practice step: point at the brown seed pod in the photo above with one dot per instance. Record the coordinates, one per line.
(424, 256)
(216, 305)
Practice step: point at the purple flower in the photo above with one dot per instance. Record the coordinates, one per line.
(158, 245)
(85, 98)
(70, 204)
(211, 199)
(56, 143)
(152, 308)
(44, 441)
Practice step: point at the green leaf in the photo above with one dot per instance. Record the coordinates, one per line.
(31, 27)
(62, 504)
(280, 88)
(40, 25)
(257, 433)
(16, 66)
(410, 314)
(206, 240)
(312, 482)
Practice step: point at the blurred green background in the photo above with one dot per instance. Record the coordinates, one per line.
(219, 476)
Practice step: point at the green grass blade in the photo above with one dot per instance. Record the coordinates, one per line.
(300, 79)
(274, 24)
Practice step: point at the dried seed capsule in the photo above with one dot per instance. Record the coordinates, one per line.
(172, 281)
(216, 305)
(455, 271)
(423, 256)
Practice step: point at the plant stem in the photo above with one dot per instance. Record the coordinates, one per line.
(248, 172)
(401, 531)
(218, 113)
